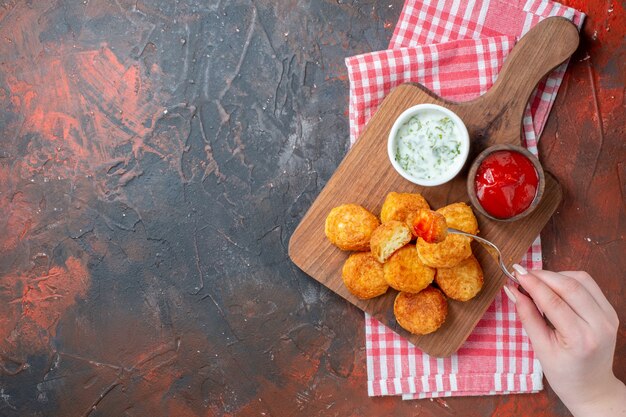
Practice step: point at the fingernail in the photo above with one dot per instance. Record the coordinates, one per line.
(509, 294)
(520, 269)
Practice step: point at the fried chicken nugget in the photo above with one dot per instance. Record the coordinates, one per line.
(421, 313)
(460, 216)
(446, 254)
(429, 225)
(363, 276)
(350, 227)
(397, 206)
(409, 222)
(461, 282)
(454, 248)
(405, 272)
(388, 238)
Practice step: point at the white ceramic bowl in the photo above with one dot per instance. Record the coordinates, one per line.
(459, 161)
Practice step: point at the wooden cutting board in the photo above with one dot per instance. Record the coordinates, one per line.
(365, 176)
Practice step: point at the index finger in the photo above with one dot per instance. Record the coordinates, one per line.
(575, 294)
(594, 289)
(560, 314)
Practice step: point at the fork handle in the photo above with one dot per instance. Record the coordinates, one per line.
(490, 245)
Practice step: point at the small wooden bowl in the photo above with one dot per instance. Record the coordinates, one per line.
(471, 177)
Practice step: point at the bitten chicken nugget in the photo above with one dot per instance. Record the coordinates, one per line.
(446, 254)
(405, 272)
(398, 205)
(460, 216)
(429, 225)
(421, 313)
(350, 227)
(461, 282)
(409, 222)
(363, 276)
(388, 238)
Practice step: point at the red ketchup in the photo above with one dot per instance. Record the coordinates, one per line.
(506, 184)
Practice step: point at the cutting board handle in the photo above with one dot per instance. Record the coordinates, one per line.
(547, 45)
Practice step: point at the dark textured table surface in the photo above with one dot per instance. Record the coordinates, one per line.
(155, 157)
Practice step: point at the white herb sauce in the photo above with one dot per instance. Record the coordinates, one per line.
(427, 145)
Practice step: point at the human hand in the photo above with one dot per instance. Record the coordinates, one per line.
(577, 354)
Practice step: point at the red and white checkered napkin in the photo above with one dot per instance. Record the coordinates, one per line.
(456, 48)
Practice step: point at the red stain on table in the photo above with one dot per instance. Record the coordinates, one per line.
(17, 220)
(33, 303)
(603, 55)
(84, 104)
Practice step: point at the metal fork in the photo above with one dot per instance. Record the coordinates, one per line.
(489, 246)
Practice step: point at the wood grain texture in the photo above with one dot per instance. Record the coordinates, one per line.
(365, 177)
